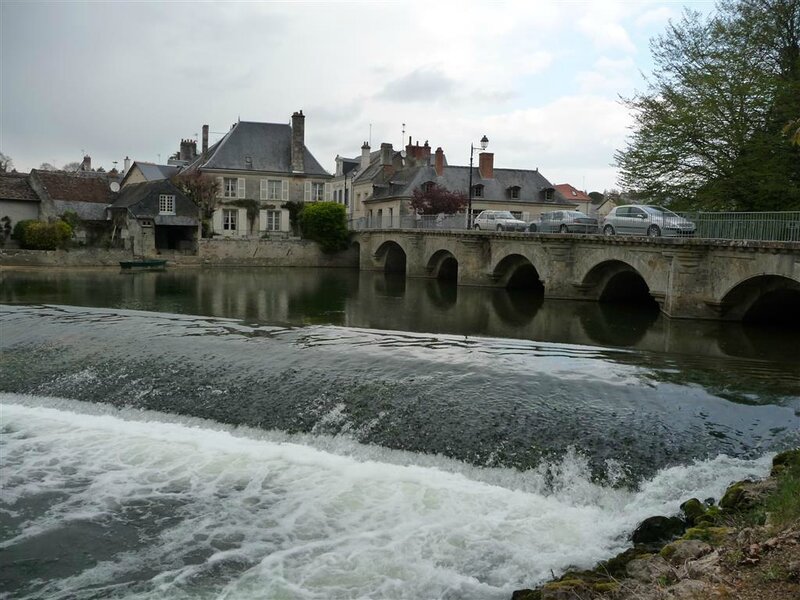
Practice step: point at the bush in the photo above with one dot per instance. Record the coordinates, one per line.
(326, 224)
(38, 235)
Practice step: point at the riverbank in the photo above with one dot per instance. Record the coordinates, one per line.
(746, 547)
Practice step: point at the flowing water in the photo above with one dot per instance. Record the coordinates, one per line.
(334, 434)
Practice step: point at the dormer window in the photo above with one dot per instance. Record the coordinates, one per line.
(478, 191)
(513, 192)
(248, 162)
(549, 194)
(428, 186)
(166, 204)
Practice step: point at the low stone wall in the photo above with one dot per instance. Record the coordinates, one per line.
(76, 257)
(232, 253)
(271, 253)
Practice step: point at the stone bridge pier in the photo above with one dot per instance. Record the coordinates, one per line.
(687, 278)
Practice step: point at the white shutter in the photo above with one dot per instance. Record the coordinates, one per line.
(262, 220)
(220, 187)
(285, 191)
(242, 192)
(241, 219)
(263, 189)
(327, 192)
(216, 221)
(284, 220)
(307, 196)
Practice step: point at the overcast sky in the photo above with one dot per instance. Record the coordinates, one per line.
(541, 79)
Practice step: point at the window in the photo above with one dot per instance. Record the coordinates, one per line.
(248, 162)
(428, 186)
(229, 219)
(229, 189)
(478, 191)
(513, 192)
(273, 220)
(549, 194)
(317, 192)
(166, 204)
(274, 188)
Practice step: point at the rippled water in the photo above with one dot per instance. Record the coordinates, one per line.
(312, 434)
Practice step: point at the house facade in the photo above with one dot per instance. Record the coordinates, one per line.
(259, 168)
(18, 201)
(384, 182)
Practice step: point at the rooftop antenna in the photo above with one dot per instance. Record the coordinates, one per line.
(403, 136)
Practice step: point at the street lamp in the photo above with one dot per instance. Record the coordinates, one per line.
(484, 142)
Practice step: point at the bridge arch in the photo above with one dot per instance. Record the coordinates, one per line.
(516, 271)
(616, 281)
(763, 299)
(443, 265)
(391, 257)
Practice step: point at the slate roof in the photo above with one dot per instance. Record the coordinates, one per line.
(531, 183)
(86, 211)
(16, 187)
(269, 146)
(141, 201)
(154, 172)
(72, 188)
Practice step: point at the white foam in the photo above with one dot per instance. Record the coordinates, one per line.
(338, 520)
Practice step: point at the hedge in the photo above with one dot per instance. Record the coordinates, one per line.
(326, 224)
(39, 235)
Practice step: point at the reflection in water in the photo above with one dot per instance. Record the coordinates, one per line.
(390, 301)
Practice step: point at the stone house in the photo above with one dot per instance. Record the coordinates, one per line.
(382, 187)
(260, 167)
(18, 201)
(153, 217)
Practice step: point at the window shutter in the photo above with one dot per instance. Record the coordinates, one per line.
(216, 221)
(327, 192)
(307, 196)
(241, 193)
(263, 189)
(220, 187)
(285, 191)
(242, 223)
(262, 219)
(284, 220)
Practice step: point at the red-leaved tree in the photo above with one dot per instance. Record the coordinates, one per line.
(435, 199)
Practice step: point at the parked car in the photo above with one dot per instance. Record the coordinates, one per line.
(653, 221)
(498, 220)
(564, 221)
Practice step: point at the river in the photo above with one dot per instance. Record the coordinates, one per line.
(257, 433)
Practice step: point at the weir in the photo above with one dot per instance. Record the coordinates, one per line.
(687, 278)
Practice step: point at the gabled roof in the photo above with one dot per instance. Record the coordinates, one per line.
(152, 171)
(16, 187)
(571, 193)
(74, 188)
(141, 200)
(269, 146)
(531, 183)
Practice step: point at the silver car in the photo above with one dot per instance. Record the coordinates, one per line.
(564, 221)
(498, 220)
(652, 221)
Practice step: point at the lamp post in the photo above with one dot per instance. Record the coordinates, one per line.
(484, 142)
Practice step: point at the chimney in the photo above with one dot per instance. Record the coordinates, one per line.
(364, 156)
(126, 165)
(426, 154)
(188, 150)
(439, 161)
(86, 165)
(411, 155)
(298, 142)
(486, 165)
(205, 140)
(386, 158)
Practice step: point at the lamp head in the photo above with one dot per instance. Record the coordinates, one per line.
(484, 142)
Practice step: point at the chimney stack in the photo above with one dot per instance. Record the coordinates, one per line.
(439, 161)
(364, 156)
(126, 165)
(298, 142)
(386, 158)
(486, 165)
(86, 165)
(205, 140)
(188, 150)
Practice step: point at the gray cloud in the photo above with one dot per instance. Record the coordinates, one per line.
(421, 85)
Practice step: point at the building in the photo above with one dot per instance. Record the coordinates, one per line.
(260, 167)
(141, 171)
(382, 185)
(569, 193)
(18, 201)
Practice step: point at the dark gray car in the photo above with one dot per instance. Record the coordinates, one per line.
(652, 221)
(564, 221)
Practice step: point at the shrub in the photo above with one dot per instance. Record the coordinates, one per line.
(326, 224)
(38, 235)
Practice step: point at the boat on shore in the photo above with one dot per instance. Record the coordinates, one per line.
(143, 264)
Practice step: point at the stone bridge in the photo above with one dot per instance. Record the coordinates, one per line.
(688, 278)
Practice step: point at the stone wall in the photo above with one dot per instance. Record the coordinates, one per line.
(77, 257)
(272, 253)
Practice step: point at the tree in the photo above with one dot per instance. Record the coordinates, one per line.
(6, 164)
(596, 197)
(203, 191)
(707, 132)
(46, 166)
(326, 224)
(435, 199)
(72, 167)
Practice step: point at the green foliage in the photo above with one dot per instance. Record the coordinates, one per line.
(708, 130)
(38, 235)
(783, 506)
(325, 223)
(71, 217)
(5, 230)
(252, 207)
(295, 210)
